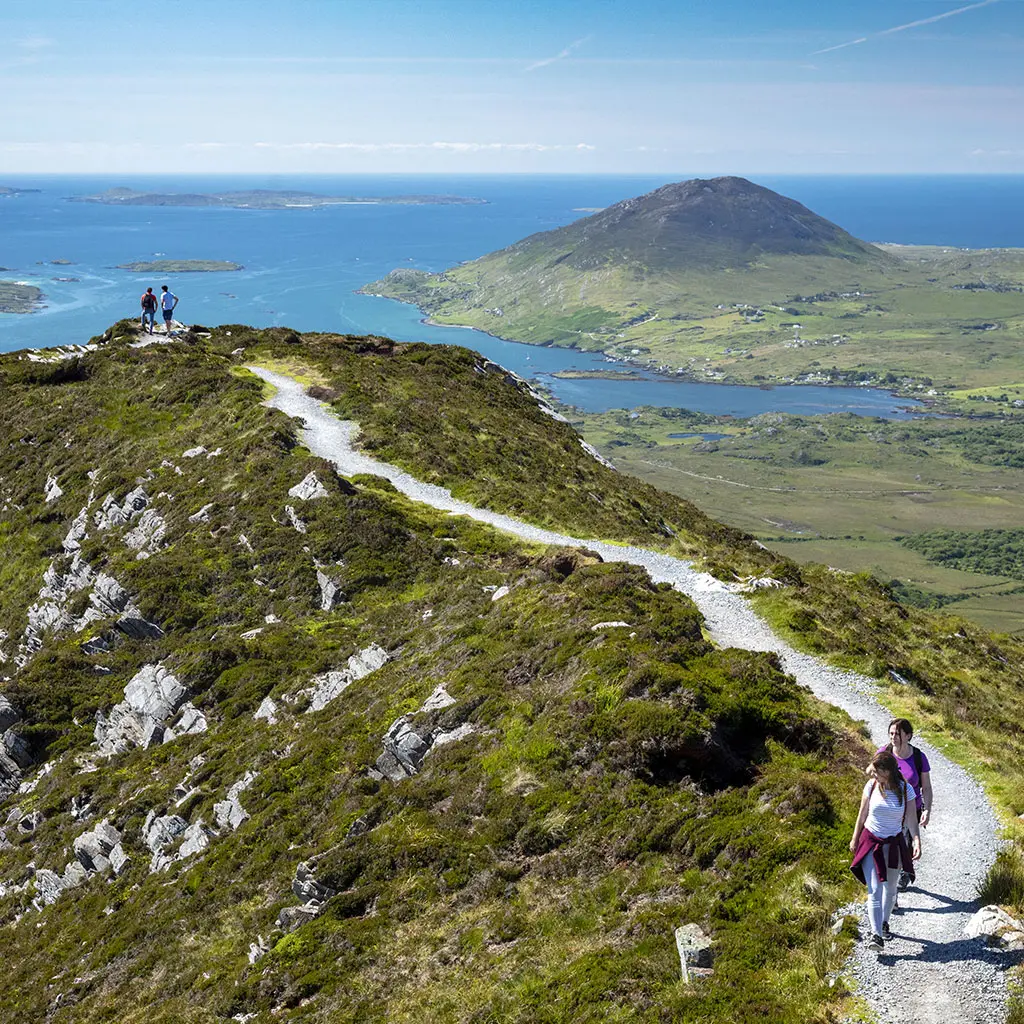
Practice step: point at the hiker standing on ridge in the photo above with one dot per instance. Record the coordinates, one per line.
(148, 309)
(914, 767)
(879, 846)
(168, 300)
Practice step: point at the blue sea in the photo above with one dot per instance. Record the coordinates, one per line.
(303, 266)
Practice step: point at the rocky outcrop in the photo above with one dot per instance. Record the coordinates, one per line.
(328, 685)
(229, 813)
(98, 851)
(330, 591)
(15, 756)
(154, 710)
(309, 489)
(171, 838)
(314, 895)
(411, 738)
(65, 577)
(267, 711)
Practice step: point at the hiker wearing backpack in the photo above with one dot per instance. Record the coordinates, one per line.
(914, 767)
(148, 309)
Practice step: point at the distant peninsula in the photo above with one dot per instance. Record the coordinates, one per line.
(263, 199)
(180, 266)
(9, 190)
(16, 297)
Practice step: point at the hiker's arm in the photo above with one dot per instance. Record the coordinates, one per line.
(862, 816)
(912, 825)
(926, 797)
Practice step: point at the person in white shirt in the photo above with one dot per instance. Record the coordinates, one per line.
(168, 300)
(888, 811)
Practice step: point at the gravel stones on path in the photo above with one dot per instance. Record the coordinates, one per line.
(928, 972)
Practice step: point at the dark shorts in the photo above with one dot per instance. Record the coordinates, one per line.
(168, 315)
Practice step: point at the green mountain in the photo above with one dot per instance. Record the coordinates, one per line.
(721, 223)
(284, 745)
(729, 281)
(627, 264)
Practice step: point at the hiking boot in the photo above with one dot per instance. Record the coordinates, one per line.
(904, 880)
(886, 931)
(876, 943)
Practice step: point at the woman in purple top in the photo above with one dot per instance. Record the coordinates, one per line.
(914, 767)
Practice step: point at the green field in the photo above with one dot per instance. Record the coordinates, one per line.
(841, 490)
(946, 324)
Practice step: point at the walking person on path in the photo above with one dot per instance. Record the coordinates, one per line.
(914, 767)
(148, 309)
(168, 300)
(879, 846)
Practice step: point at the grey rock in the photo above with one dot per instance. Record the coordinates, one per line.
(17, 749)
(77, 532)
(307, 888)
(267, 711)
(152, 697)
(230, 813)
(438, 700)
(112, 515)
(693, 943)
(193, 452)
(49, 886)
(8, 714)
(203, 515)
(997, 927)
(53, 491)
(159, 831)
(309, 489)
(257, 950)
(328, 685)
(330, 592)
(30, 822)
(291, 918)
(93, 848)
(119, 860)
(294, 519)
(148, 534)
(195, 839)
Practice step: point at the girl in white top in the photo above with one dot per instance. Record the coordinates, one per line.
(887, 806)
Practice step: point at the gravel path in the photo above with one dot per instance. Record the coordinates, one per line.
(928, 973)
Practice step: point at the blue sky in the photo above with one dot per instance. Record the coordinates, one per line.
(647, 86)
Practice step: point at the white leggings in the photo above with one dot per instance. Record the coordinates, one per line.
(881, 894)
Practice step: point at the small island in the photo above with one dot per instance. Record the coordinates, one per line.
(263, 199)
(180, 266)
(17, 297)
(10, 190)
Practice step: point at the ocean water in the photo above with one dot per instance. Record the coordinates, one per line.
(302, 266)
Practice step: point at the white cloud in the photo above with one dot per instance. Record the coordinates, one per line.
(909, 24)
(559, 56)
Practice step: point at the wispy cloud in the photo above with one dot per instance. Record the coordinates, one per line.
(567, 52)
(909, 24)
(457, 147)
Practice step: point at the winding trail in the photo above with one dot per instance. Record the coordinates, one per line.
(929, 973)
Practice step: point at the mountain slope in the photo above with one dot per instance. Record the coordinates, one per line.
(285, 748)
